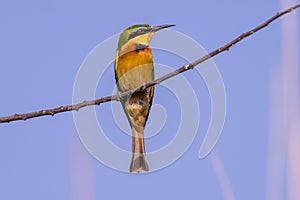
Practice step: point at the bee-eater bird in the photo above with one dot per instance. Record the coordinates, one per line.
(133, 68)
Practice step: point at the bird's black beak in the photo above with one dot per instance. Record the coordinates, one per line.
(157, 28)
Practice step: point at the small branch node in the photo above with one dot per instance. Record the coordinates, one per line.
(191, 66)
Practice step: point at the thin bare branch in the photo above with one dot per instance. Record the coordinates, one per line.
(78, 106)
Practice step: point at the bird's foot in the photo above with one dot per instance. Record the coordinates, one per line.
(143, 88)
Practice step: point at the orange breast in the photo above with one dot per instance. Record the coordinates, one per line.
(134, 68)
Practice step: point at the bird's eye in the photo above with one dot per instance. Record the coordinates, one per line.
(141, 31)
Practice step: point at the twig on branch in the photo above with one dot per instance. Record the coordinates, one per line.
(60, 109)
(78, 106)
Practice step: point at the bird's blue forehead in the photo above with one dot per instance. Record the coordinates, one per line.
(141, 27)
(138, 26)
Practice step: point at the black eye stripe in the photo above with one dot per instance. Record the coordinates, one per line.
(137, 33)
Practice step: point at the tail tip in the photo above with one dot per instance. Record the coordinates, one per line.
(139, 164)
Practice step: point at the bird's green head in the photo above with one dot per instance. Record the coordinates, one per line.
(138, 34)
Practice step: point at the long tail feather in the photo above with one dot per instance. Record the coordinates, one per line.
(138, 160)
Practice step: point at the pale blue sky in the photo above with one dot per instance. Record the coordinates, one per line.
(43, 44)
